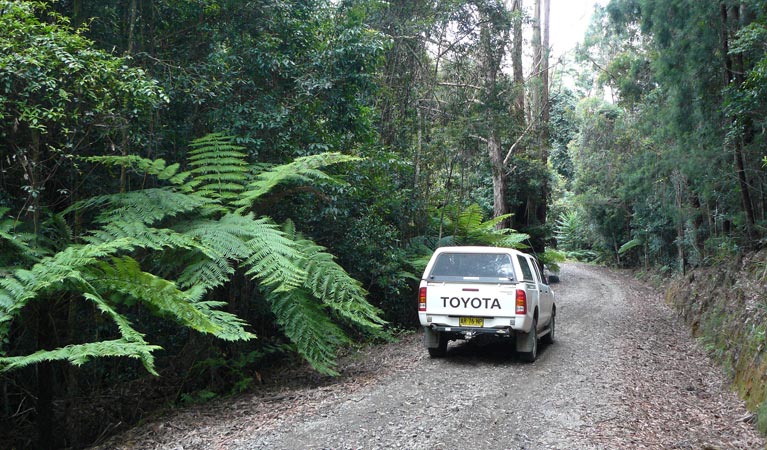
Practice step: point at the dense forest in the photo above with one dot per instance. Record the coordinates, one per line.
(193, 191)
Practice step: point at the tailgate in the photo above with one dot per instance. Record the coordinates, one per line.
(471, 299)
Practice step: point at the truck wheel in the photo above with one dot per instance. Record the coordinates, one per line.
(441, 349)
(549, 338)
(532, 355)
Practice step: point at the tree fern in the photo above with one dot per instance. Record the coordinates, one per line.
(470, 228)
(190, 226)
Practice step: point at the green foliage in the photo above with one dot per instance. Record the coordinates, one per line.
(468, 227)
(203, 247)
(659, 168)
(551, 259)
(302, 170)
(634, 243)
(82, 353)
(60, 97)
(231, 374)
(218, 167)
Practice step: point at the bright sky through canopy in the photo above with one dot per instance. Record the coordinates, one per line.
(568, 24)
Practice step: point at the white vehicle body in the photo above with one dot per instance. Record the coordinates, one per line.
(468, 291)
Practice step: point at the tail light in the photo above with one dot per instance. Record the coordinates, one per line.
(422, 299)
(521, 302)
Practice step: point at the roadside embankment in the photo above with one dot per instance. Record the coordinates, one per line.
(726, 307)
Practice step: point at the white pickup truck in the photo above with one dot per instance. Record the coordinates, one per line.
(469, 291)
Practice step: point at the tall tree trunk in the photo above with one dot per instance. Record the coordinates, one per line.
(491, 65)
(735, 75)
(542, 207)
(43, 327)
(518, 112)
(418, 147)
(540, 115)
(77, 13)
(535, 92)
(132, 14)
(679, 183)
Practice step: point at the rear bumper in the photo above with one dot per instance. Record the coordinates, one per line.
(506, 331)
(450, 323)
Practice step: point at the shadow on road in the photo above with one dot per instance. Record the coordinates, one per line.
(495, 352)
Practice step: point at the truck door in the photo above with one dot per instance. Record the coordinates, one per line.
(532, 286)
(546, 298)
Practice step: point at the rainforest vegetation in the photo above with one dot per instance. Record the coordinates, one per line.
(196, 190)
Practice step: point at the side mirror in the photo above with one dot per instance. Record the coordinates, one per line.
(553, 279)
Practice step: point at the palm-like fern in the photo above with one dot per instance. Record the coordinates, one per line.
(470, 228)
(198, 226)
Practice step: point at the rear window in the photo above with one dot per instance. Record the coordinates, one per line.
(482, 267)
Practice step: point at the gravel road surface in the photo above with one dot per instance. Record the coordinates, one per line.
(622, 374)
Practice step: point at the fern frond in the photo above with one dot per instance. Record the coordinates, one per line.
(329, 282)
(512, 239)
(156, 167)
(272, 256)
(636, 242)
(229, 327)
(470, 218)
(207, 273)
(489, 226)
(308, 326)
(304, 169)
(143, 236)
(223, 238)
(146, 206)
(219, 168)
(256, 244)
(123, 325)
(124, 275)
(53, 272)
(79, 354)
(272, 263)
(14, 245)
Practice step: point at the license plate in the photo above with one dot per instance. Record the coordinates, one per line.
(471, 321)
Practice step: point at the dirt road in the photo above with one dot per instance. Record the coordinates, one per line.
(623, 373)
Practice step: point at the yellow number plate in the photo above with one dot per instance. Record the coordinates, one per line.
(471, 321)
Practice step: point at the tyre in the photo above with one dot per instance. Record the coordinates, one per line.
(549, 338)
(441, 349)
(532, 355)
